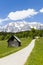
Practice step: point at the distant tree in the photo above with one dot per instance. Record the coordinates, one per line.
(32, 33)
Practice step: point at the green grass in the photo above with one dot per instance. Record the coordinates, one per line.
(36, 57)
(5, 50)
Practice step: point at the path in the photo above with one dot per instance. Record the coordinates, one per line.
(18, 58)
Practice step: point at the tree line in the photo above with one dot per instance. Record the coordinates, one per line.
(33, 33)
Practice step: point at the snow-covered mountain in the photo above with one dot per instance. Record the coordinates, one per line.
(36, 25)
(20, 26)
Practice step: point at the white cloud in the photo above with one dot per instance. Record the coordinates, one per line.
(19, 15)
(1, 20)
(41, 10)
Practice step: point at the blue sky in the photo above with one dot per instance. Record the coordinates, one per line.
(16, 10)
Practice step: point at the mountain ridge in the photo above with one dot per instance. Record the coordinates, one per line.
(20, 26)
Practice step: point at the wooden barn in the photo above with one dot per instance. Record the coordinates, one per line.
(14, 41)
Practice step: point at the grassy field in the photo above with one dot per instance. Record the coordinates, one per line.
(36, 57)
(5, 50)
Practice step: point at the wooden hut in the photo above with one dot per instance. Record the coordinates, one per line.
(14, 41)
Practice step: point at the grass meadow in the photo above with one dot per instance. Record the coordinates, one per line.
(5, 50)
(36, 57)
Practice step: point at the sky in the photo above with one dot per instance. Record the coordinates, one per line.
(19, 10)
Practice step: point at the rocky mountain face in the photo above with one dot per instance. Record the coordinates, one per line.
(20, 26)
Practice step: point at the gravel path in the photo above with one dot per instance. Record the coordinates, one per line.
(18, 58)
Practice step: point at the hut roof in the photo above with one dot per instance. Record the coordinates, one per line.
(17, 38)
(14, 37)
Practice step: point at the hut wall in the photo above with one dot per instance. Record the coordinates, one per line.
(13, 44)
